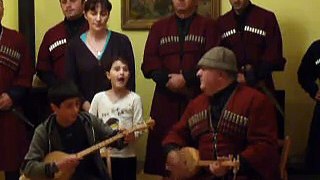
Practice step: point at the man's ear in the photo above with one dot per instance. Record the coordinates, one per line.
(54, 107)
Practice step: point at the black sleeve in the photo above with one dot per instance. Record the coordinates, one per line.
(17, 93)
(245, 168)
(160, 77)
(191, 78)
(308, 69)
(50, 169)
(264, 70)
(169, 147)
(47, 77)
(120, 143)
(259, 73)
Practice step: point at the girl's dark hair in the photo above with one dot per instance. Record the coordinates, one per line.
(91, 5)
(121, 59)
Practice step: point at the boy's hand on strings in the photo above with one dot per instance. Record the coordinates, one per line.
(128, 136)
(68, 163)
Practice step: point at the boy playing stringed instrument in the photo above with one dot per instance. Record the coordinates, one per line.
(69, 131)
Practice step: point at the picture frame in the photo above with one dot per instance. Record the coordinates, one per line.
(141, 14)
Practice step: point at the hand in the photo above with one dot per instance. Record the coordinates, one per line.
(176, 82)
(172, 160)
(217, 169)
(128, 137)
(317, 96)
(68, 163)
(86, 106)
(5, 101)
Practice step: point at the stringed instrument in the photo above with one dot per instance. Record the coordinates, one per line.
(56, 156)
(190, 163)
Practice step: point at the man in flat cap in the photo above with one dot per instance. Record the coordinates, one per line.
(227, 118)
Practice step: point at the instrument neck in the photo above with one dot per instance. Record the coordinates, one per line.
(98, 146)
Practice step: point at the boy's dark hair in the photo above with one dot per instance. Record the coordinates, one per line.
(61, 91)
(91, 5)
(114, 59)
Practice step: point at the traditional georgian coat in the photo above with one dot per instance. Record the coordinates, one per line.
(16, 72)
(247, 126)
(163, 52)
(255, 38)
(308, 76)
(51, 56)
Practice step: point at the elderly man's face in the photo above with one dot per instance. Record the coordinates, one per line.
(209, 80)
(184, 6)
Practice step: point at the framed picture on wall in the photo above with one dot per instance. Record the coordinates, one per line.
(140, 14)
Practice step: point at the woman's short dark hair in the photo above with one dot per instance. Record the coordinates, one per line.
(91, 5)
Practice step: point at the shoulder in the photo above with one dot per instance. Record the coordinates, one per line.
(200, 101)
(163, 22)
(134, 95)
(46, 126)
(203, 20)
(14, 34)
(99, 97)
(198, 104)
(251, 94)
(89, 120)
(315, 45)
(85, 116)
(56, 30)
(227, 15)
(57, 27)
(259, 11)
(100, 94)
(225, 19)
(119, 39)
(118, 36)
(41, 129)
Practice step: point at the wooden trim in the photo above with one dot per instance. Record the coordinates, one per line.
(139, 20)
(27, 23)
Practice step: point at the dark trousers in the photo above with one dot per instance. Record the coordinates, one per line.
(313, 148)
(123, 168)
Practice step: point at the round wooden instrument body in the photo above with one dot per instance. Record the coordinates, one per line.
(54, 157)
(189, 159)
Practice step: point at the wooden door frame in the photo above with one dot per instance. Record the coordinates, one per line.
(27, 23)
